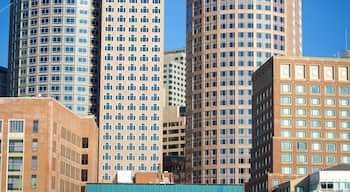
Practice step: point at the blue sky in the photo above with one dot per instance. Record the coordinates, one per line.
(324, 24)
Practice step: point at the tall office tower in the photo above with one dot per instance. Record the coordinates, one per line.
(226, 41)
(175, 77)
(3, 82)
(345, 54)
(300, 118)
(131, 84)
(53, 51)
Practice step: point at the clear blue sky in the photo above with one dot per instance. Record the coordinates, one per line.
(324, 24)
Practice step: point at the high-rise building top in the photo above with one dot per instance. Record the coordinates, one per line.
(3, 82)
(131, 95)
(345, 54)
(45, 146)
(53, 51)
(300, 118)
(175, 77)
(226, 41)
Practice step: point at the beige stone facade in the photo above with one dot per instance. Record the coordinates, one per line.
(174, 124)
(131, 87)
(226, 42)
(45, 146)
(174, 74)
(301, 118)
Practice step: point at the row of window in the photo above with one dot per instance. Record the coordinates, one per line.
(315, 89)
(315, 146)
(314, 134)
(317, 112)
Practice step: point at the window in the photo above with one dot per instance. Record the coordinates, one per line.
(316, 158)
(331, 147)
(315, 89)
(286, 158)
(344, 90)
(285, 111)
(301, 158)
(301, 134)
(345, 147)
(316, 146)
(301, 146)
(286, 145)
(331, 159)
(285, 71)
(300, 101)
(300, 112)
(15, 163)
(286, 134)
(286, 170)
(329, 89)
(299, 71)
(35, 145)
(315, 101)
(300, 88)
(35, 126)
(85, 142)
(286, 100)
(84, 175)
(34, 162)
(328, 73)
(14, 182)
(16, 126)
(33, 181)
(286, 122)
(16, 146)
(285, 88)
(84, 159)
(302, 170)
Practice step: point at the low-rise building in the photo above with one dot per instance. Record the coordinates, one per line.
(162, 188)
(174, 124)
(45, 146)
(333, 179)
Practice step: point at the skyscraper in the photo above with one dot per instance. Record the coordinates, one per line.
(300, 119)
(131, 87)
(226, 41)
(175, 77)
(53, 51)
(3, 82)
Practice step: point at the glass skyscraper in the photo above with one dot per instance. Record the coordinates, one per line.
(54, 51)
(226, 41)
(131, 93)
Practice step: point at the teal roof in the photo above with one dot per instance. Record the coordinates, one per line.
(162, 188)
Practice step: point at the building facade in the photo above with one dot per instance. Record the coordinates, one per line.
(175, 77)
(45, 146)
(301, 118)
(3, 82)
(174, 125)
(131, 84)
(327, 180)
(162, 187)
(54, 51)
(226, 41)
